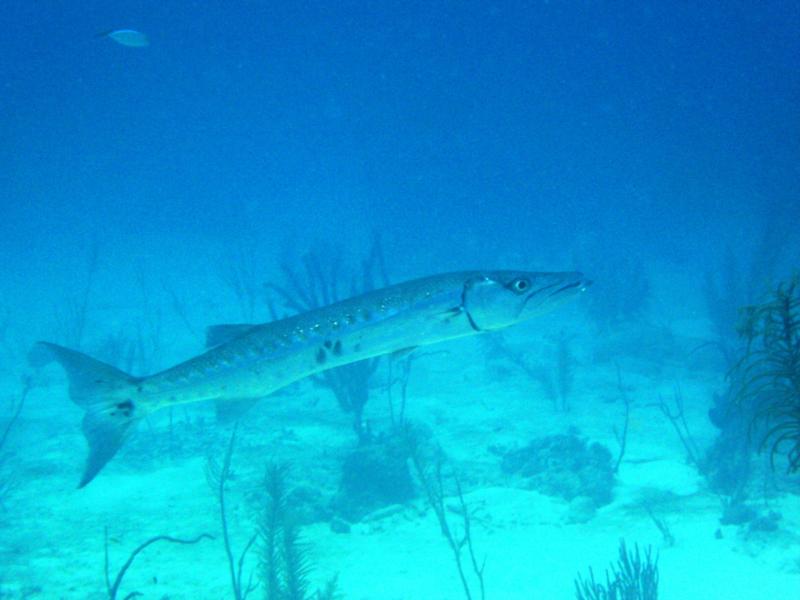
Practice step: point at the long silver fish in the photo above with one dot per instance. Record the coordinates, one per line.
(257, 360)
(126, 37)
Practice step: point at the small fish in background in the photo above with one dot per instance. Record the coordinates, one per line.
(127, 37)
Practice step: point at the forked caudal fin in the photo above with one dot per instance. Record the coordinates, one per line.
(104, 392)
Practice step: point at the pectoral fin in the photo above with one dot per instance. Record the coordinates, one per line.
(403, 352)
(450, 313)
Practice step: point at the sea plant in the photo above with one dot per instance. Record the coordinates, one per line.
(728, 460)
(565, 369)
(284, 554)
(767, 376)
(735, 283)
(677, 417)
(724, 291)
(71, 313)
(397, 414)
(430, 463)
(318, 284)
(112, 587)
(556, 380)
(13, 410)
(631, 578)
(239, 272)
(621, 435)
(218, 475)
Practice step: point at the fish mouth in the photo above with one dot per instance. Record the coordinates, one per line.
(582, 283)
(575, 281)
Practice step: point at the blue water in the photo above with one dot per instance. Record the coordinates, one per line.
(652, 145)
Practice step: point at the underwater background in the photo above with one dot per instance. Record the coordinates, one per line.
(237, 162)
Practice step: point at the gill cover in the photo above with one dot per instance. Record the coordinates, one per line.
(491, 304)
(497, 300)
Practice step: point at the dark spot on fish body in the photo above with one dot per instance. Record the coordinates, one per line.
(328, 344)
(125, 408)
(320, 356)
(337, 348)
(357, 348)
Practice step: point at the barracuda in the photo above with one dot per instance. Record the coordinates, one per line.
(256, 360)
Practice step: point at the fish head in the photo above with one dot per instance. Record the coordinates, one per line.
(501, 298)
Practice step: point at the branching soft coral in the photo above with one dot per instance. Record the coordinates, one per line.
(767, 377)
(285, 560)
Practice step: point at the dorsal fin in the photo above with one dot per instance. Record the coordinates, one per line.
(220, 334)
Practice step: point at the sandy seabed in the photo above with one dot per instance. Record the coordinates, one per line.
(52, 542)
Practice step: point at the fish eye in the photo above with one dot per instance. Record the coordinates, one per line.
(520, 285)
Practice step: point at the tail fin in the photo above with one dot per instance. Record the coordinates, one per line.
(109, 397)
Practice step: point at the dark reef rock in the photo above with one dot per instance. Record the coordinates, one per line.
(374, 475)
(766, 523)
(309, 505)
(564, 466)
